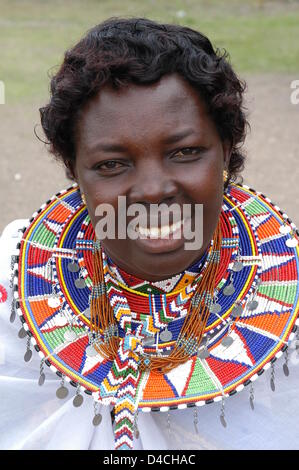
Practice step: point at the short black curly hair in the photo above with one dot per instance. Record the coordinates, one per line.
(140, 51)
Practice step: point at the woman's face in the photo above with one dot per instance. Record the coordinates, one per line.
(152, 144)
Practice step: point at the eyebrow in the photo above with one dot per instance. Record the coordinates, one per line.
(112, 148)
(117, 148)
(172, 139)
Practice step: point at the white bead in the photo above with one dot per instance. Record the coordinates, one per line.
(200, 403)
(182, 406)
(164, 408)
(146, 409)
(219, 398)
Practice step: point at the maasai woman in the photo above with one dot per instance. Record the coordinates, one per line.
(135, 333)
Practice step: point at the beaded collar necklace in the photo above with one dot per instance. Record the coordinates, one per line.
(252, 316)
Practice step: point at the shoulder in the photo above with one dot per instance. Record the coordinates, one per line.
(8, 247)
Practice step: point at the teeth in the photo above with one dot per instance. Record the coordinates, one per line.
(156, 232)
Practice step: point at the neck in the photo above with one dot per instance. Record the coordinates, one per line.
(195, 265)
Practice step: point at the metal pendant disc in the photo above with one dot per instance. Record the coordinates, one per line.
(90, 351)
(272, 385)
(286, 370)
(12, 316)
(215, 308)
(229, 290)
(28, 355)
(285, 229)
(70, 335)
(237, 311)
(87, 313)
(252, 305)
(77, 401)
(292, 242)
(97, 419)
(237, 266)
(251, 401)
(149, 341)
(73, 267)
(223, 422)
(204, 341)
(22, 333)
(54, 301)
(62, 392)
(166, 335)
(41, 379)
(204, 354)
(80, 283)
(227, 341)
(137, 434)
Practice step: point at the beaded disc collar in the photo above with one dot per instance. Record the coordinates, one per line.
(252, 319)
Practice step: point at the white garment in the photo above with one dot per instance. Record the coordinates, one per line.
(31, 417)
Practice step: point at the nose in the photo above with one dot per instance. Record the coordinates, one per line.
(153, 185)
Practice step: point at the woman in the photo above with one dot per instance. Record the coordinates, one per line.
(153, 114)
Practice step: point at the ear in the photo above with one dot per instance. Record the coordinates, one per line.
(227, 151)
(70, 171)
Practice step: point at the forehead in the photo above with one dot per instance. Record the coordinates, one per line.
(142, 109)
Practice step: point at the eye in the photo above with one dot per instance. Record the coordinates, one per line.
(187, 152)
(109, 165)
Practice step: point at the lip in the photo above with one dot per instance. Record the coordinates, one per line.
(163, 245)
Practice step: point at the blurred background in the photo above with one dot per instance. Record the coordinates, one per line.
(262, 38)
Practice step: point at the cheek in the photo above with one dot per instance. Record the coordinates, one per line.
(205, 182)
(205, 186)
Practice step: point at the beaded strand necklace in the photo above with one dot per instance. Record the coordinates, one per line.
(194, 325)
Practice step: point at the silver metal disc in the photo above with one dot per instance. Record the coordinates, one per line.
(87, 313)
(73, 267)
(41, 379)
(137, 434)
(148, 341)
(70, 335)
(286, 370)
(203, 354)
(97, 419)
(215, 308)
(285, 229)
(222, 420)
(251, 401)
(28, 355)
(237, 266)
(204, 341)
(237, 311)
(252, 305)
(22, 333)
(227, 341)
(272, 385)
(292, 242)
(166, 335)
(77, 401)
(229, 290)
(54, 301)
(12, 316)
(90, 351)
(80, 283)
(62, 392)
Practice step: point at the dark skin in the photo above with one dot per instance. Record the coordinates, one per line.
(146, 133)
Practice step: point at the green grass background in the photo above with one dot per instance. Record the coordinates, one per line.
(261, 36)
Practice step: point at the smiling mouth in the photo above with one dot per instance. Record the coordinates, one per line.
(159, 232)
